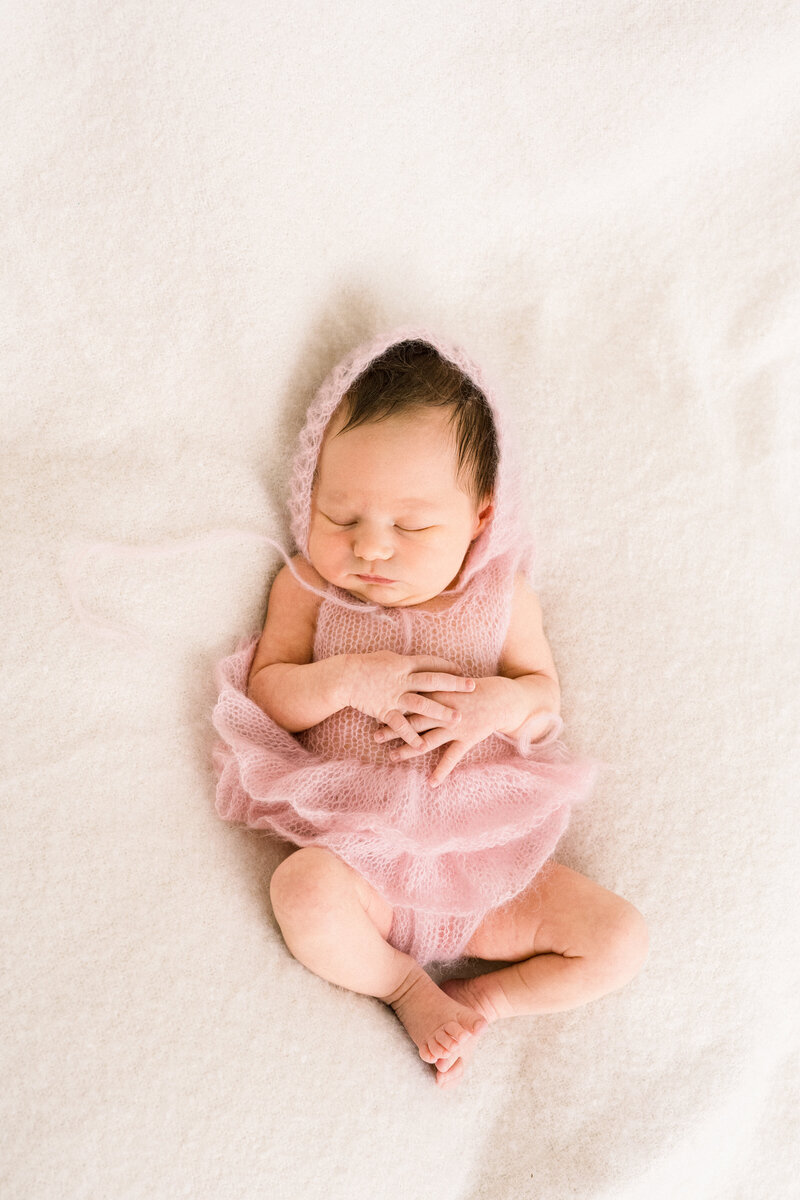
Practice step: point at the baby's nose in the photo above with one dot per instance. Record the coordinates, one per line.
(371, 546)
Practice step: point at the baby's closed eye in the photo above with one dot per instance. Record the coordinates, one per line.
(402, 528)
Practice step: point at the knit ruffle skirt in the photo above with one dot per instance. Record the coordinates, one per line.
(442, 857)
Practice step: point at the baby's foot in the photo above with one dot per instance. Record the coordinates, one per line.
(450, 1067)
(437, 1024)
(481, 994)
(450, 1070)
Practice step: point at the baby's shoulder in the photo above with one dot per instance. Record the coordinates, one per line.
(525, 650)
(290, 625)
(288, 595)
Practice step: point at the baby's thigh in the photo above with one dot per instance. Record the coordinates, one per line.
(561, 912)
(315, 879)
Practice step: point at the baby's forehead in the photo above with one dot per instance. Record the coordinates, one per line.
(436, 495)
(414, 481)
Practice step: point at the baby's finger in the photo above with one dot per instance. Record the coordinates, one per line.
(417, 721)
(439, 713)
(431, 662)
(397, 722)
(452, 754)
(432, 739)
(437, 681)
(430, 708)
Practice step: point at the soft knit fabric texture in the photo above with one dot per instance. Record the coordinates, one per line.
(445, 857)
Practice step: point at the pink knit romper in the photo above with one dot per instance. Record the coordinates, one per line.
(442, 857)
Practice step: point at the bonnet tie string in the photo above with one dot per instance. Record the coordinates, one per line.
(78, 554)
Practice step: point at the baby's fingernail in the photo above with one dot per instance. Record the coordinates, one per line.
(470, 683)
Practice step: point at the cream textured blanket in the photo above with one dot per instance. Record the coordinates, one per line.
(203, 206)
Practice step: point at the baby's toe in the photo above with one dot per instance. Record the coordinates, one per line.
(444, 1039)
(453, 1073)
(460, 1031)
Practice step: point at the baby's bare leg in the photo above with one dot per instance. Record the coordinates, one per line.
(327, 927)
(335, 924)
(569, 940)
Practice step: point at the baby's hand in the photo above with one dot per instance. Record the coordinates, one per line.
(386, 686)
(482, 713)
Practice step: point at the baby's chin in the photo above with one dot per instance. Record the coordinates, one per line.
(398, 594)
(391, 595)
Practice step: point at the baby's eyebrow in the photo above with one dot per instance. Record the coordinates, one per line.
(409, 502)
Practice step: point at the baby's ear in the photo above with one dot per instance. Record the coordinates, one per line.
(485, 514)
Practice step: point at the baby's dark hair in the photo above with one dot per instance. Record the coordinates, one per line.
(413, 374)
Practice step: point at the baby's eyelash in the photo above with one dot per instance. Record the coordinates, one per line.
(347, 524)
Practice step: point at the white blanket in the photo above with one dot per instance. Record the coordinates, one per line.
(204, 206)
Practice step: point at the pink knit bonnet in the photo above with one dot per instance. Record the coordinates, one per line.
(506, 532)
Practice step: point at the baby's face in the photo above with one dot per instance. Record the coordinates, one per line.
(386, 503)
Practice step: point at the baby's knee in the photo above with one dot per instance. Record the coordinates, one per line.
(628, 940)
(302, 880)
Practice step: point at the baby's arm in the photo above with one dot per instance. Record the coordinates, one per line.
(285, 650)
(526, 662)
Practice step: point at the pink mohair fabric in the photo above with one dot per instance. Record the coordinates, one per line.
(442, 857)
